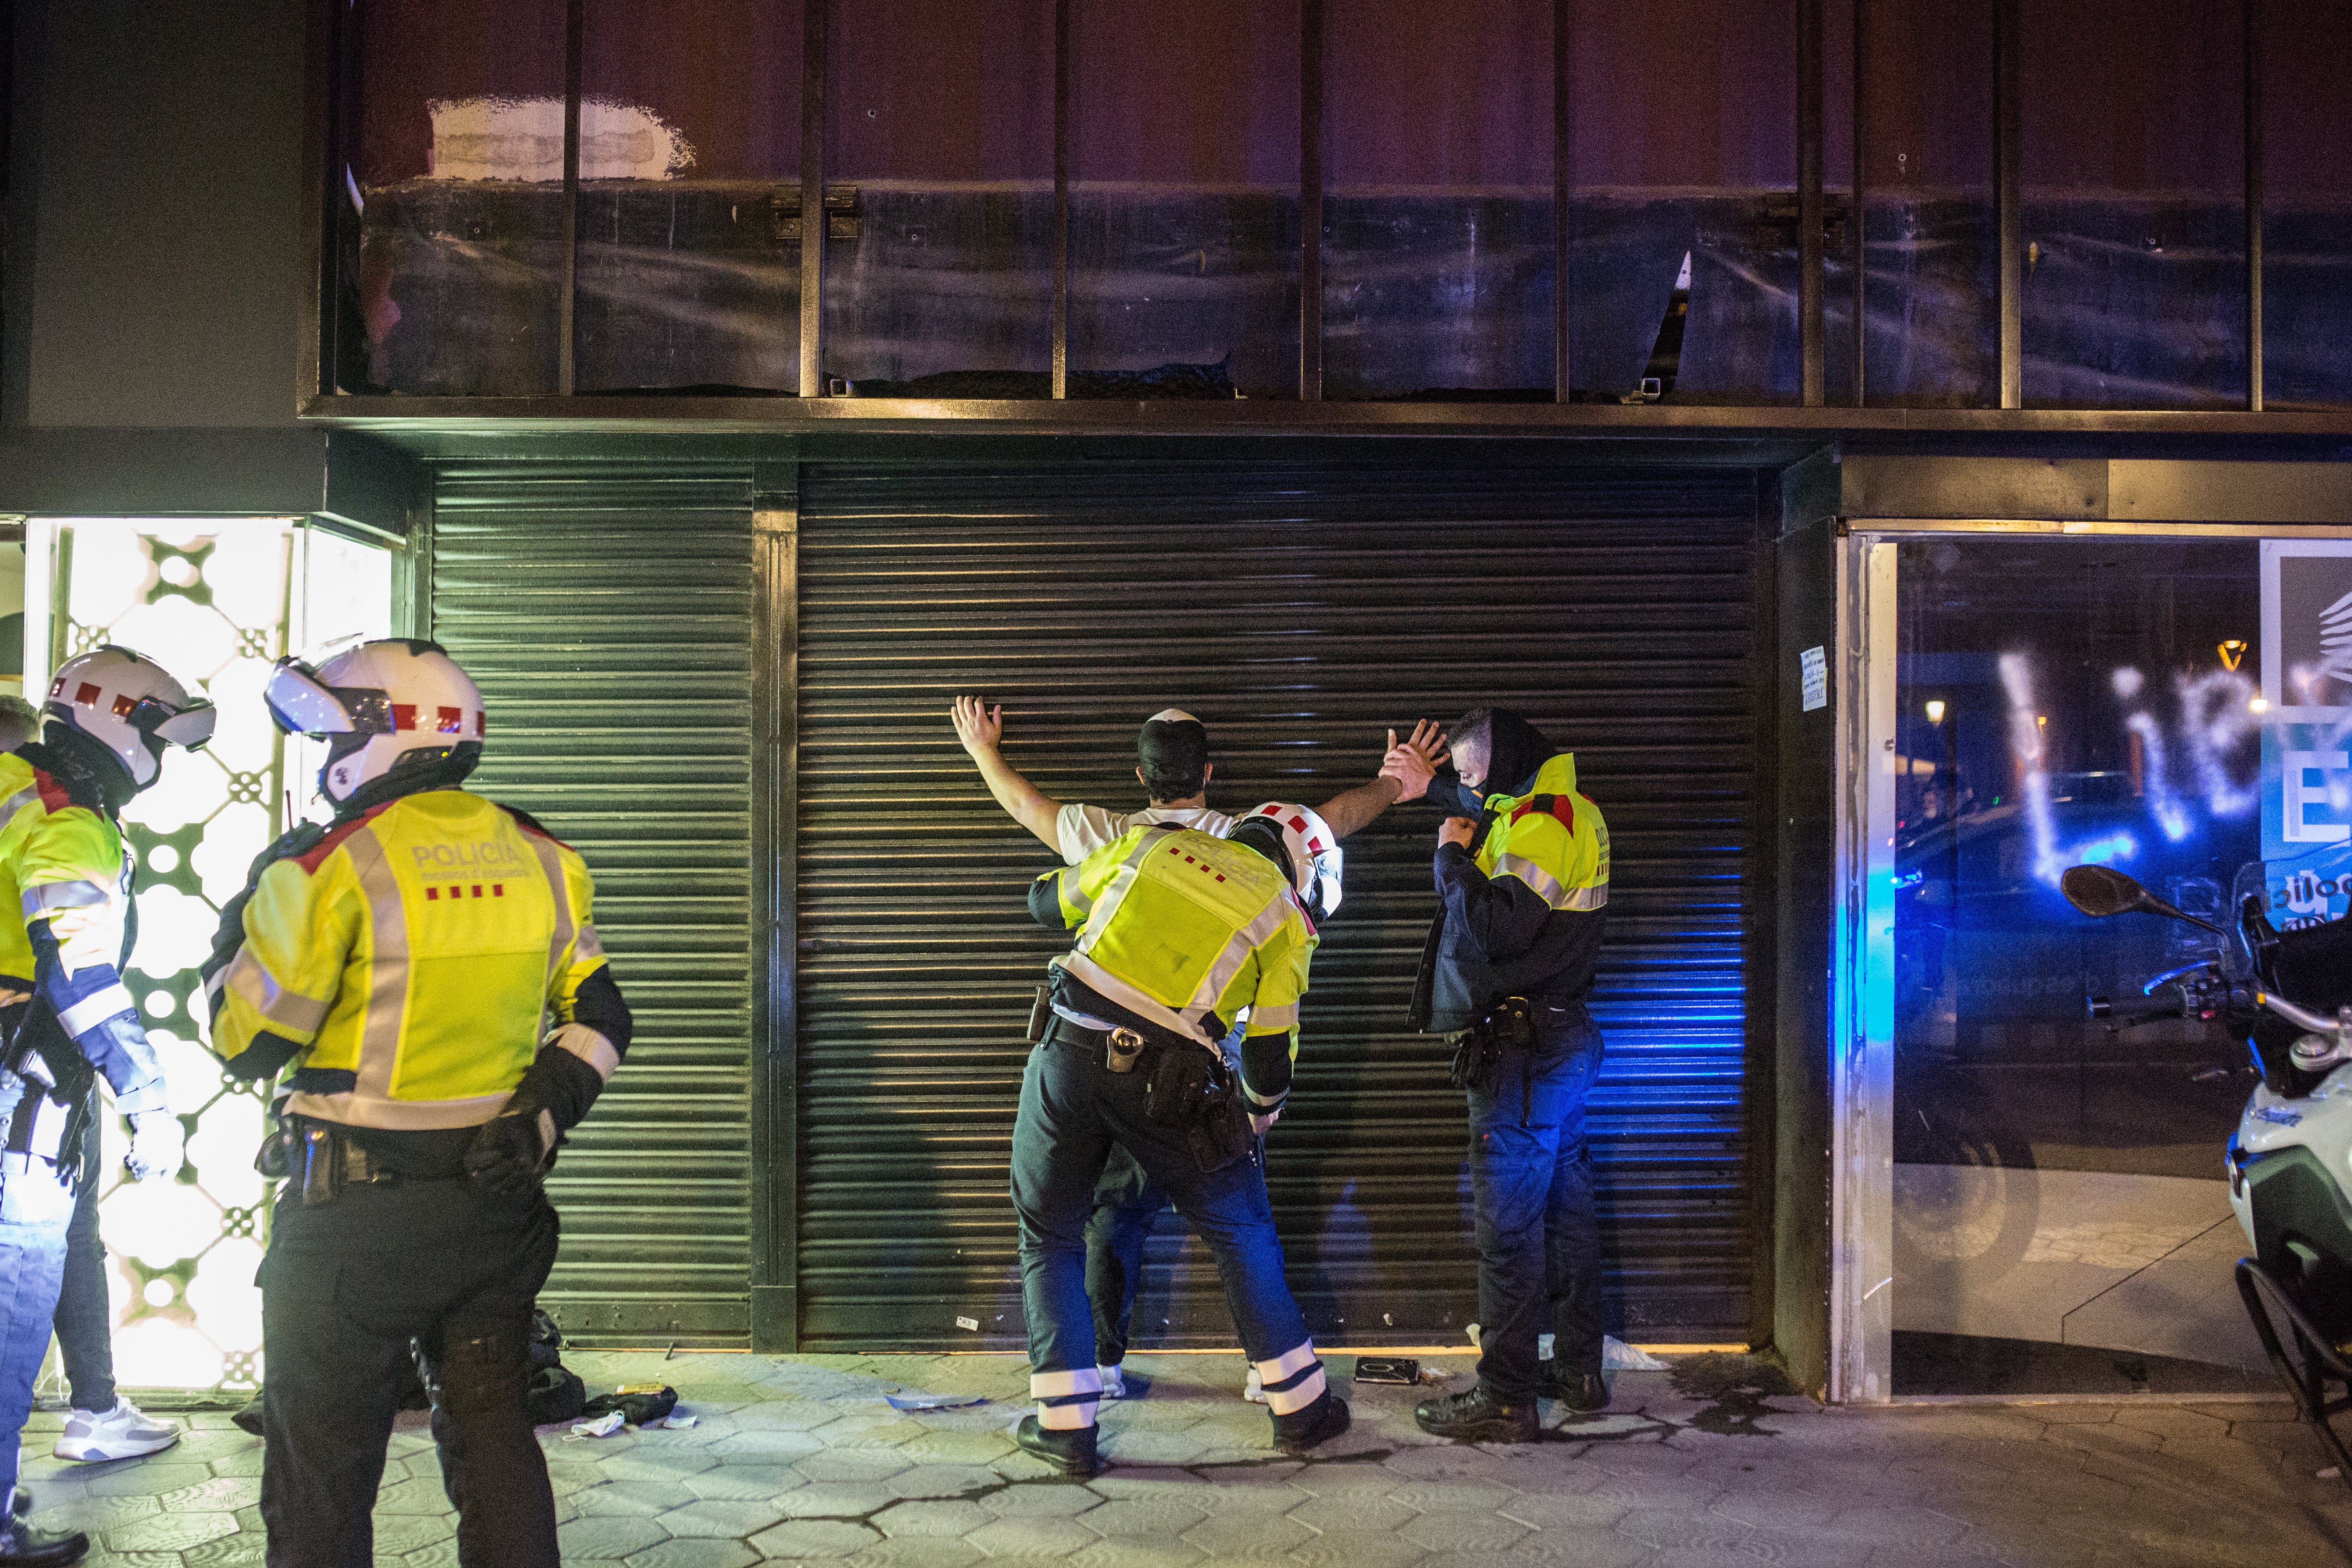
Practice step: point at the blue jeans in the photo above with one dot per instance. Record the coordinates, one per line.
(1127, 1202)
(85, 1317)
(1538, 1239)
(1073, 1109)
(35, 1210)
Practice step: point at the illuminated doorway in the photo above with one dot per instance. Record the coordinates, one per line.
(216, 601)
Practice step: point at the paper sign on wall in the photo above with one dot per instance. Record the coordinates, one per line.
(1815, 665)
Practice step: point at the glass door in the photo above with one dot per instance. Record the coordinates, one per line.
(2033, 1198)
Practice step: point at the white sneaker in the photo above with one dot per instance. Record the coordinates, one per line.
(1113, 1386)
(121, 1433)
(1255, 1390)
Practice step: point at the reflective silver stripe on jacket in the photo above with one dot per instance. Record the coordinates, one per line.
(550, 862)
(252, 979)
(1586, 899)
(1142, 1005)
(1274, 1020)
(1547, 886)
(1236, 952)
(51, 896)
(18, 801)
(387, 999)
(92, 1011)
(353, 1108)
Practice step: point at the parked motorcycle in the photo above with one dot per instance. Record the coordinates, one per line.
(2289, 995)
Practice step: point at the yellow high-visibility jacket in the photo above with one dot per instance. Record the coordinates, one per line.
(1179, 927)
(409, 964)
(65, 896)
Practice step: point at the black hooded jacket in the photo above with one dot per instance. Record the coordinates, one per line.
(1491, 938)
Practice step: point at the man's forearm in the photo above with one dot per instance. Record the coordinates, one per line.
(1022, 800)
(1353, 809)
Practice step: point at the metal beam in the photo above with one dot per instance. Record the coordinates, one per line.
(575, 29)
(2009, 127)
(774, 850)
(1563, 228)
(1061, 198)
(1310, 201)
(2253, 149)
(1857, 253)
(813, 218)
(1809, 331)
(657, 418)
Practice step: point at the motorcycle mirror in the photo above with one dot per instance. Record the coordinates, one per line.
(2101, 891)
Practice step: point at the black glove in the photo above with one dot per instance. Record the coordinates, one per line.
(515, 1149)
(510, 1154)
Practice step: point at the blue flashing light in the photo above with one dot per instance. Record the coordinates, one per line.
(2114, 847)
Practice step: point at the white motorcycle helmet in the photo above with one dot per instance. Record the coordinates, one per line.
(1310, 851)
(130, 705)
(397, 704)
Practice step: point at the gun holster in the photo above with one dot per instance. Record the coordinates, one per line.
(1509, 1026)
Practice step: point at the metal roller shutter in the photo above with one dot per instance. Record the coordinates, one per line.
(1300, 609)
(605, 613)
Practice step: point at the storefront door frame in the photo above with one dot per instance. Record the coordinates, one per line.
(1862, 1023)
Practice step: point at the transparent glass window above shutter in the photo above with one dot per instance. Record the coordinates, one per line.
(458, 169)
(690, 168)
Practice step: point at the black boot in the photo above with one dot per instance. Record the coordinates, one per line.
(1581, 1391)
(23, 1546)
(1302, 1430)
(1070, 1450)
(1478, 1417)
(247, 1418)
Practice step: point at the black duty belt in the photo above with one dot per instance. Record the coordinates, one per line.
(1120, 1048)
(322, 1160)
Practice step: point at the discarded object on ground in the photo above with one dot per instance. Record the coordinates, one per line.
(904, 1399)
(638, 1404)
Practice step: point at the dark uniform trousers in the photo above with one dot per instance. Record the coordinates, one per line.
(346, 1287)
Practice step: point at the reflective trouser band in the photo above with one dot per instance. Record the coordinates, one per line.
(1066, 1400)
(1295, 1392)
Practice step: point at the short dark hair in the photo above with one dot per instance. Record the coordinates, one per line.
(1475, 728)
(1173, 754)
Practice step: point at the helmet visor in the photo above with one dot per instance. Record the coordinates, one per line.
(187, 728)
(302, 705)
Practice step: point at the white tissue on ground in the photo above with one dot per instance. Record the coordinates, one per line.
(604, 1425)
(1616, 1355)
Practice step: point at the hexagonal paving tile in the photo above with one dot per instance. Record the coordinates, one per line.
(1033, 1535)
(720, 1520)
(775, 1446)
(168, 1531)
(943, 1481)
(835, 1500)
(244, 1550)
(814, 1537)
(1163, 1519)
(917, 1552)
(611, 1536)
(646, 1462)
(1350, 1549)
(148, 1478)
(641, 1498)
(1354, 1511)
(1047, 1494)
(1126, 1552)
(933, 1519)
(1260, 1537)
(743, 1483)
(853, 1465)
(1462, 1532)
(695, 1555)
(399, 1533)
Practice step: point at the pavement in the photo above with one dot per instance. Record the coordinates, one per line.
(799, 1458)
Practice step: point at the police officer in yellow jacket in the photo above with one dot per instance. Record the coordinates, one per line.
(1179, 932)
(427, 967)
(1522, 875)
(65, 881)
